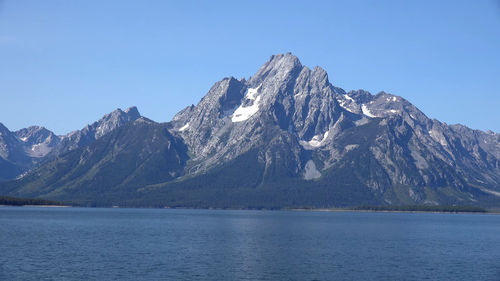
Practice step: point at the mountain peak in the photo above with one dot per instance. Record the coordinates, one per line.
(133, 112)
(287, 60)
(31, 128)
(113, 120)
(130, 114)
(36, 134)
(319, 74)
(285, 57)
(280, 65)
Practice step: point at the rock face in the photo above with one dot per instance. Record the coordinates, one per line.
(286, 137)
(24, 149)
(284, 103)
(39, 142)
(12, 157)
(97, 129)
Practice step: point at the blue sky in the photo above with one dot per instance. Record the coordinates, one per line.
(64, 64)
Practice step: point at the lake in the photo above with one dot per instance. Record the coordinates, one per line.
(167, 244)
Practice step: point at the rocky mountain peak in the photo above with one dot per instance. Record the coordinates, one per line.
(132, 112)
(113, 120)
(36, 134)
(360, 96)
(279, 67)
(320, 75)
(98, 129)
(284, 95)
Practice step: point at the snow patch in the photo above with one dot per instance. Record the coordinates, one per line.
(342, 104)
(243, 113)
(366, 111)
(183, 128)
(318, 140)
(348, 97)
(251, 93)
(393, 111)
(24, 139)
(394, 99)
(348, 109)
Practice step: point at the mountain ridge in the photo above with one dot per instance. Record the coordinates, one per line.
(32, 146)
(299, 142)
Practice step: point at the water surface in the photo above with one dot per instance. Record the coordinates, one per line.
(160, 244)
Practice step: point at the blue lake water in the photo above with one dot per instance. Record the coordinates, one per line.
(161, 244)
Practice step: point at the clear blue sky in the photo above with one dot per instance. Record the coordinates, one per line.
(64, 64)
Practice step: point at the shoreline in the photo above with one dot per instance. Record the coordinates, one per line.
(34, 206)
(47, 206)
(486, 211)
(392, 211)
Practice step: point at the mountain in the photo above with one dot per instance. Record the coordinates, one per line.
(12, 157)
(286, 137)
(96, 130)
(118, 161)
(24, 149)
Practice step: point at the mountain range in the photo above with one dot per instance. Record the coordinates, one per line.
(25, 149)
(284, 138)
